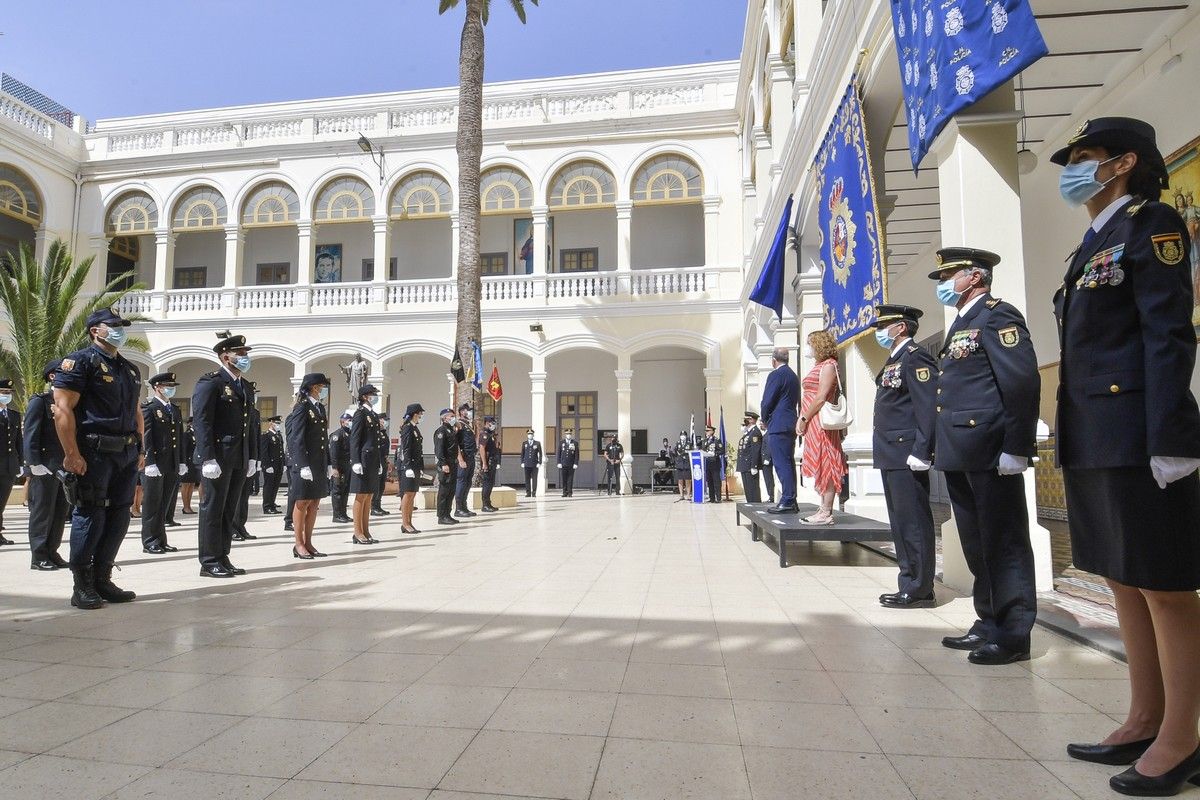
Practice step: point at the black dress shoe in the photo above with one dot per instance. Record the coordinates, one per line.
(905, 600)
(172, 523)
(1111, 754)
(1169, 784)
(170, 549)
(993, 655)
(288, 526)
(793, 509)
(883, 597)
(488, 509)
(44, 565)
(375, 512)
(319, 554)
(228, 565)
(384, 512)
(342, 519)
(408, 529)
(238, 537)
(188, 512)
(306, 556)
(970, 641)
(249, 536)
(356, 540)
(155, 550)
(4, 541)
(215, 572)
(58, 561)
(447, 521)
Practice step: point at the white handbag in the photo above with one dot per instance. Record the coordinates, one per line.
(836, 416)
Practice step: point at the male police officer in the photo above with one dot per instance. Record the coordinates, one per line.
(221, 406)
(780, 396)
(568, 461)
(489, 453)
(11, 458)
(96, 416)
(531, 460)
(714, 452)
(614, 453)
(749, 457)
(768, 472)
(385, 446)
(253, 436)
(902, 448)
(339, 458)
(984, 435)
(271, 449)
(468, 447)
(48, 509)
(163, 452)
(447, 457)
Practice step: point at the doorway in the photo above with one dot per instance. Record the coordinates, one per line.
(577, 410)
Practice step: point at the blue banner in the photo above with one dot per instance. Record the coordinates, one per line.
(697, 461)
(851, 245)
(953, 52)
(768, 291)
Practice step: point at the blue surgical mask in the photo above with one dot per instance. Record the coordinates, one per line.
(5, 399)
(168, 392)
(116, 337)
(324, 393)
(885, 339)
(1077, 183)
(242, 363)
(947, 294)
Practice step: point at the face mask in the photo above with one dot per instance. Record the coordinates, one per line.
(809, 352)
(168, 392)
(115, 337)
(241, 363)
(885, 339)
(946, 293)
(324, 393)
(530, 437)
(5, 399)
(1077, 182)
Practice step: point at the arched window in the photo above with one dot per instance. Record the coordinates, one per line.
(503, 190)
(345, 199)
(200, 209)
(18, 198)
(583, 184)
(668, 178)
(420, 194)
(133, 213)
(125, 246)
(271, 203)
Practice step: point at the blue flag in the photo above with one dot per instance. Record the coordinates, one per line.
(724, 444)
(769, 289)
(953, 53)
(851, 244)
(477, 368)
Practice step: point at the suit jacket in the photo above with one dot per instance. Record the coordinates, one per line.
(162, 440)
(904, 408)
(780, 396)
(221, 417)
(41, 445)
(531, 454)
(1128, 347)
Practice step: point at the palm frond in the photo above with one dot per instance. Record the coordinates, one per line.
(519, 7)
(446, 5)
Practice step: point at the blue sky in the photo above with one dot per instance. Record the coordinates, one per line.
(138, 57)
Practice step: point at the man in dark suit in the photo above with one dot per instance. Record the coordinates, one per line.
(221, 406)
(339, 459)
(531, 460)
(984, 436)
(902, 449)
(780, 397)
(12, 460)
(48, 509)
(271, 444)
(749, 457)
(163, 451)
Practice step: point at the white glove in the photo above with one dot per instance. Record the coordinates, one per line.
(576, 467)
(383, 470)
(306, 473)
(152, 471)
(329, 471)
(560, 466)
(1012, 465)
(22, 472)
(356, 469)
(408, 473)
(182, 470)
(917, 465)
(753, 472)
(39, 469)
(211, 469)
(269, 470)
(1168, 469)
(251, 468)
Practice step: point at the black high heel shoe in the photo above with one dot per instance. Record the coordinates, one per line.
(317, 553)
(357, 540)
(407, 529)
(1169, 784)
(296, 554)
(1112, 754)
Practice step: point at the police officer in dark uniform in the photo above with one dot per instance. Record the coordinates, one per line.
(568, 461)
(385, 449)
(489, 455)
(366, 462)
(339, 458)
(308, 442)
(446, 456)
(714, 453)
(468, 448)
(191, 479)
(768, 472)
(163, 452)
(986, 416)
(100, 430)
(240, 533)
(1128, 439)
(12, 460)
(221, 407)
(749, 457)
(271, 449)
(902, 449)
(613, 452)
(48, 508)
(410, 462)
(683, 465)
(531, 461)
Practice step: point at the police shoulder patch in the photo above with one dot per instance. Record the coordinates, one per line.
(995, 301)
(923, 374)
(1168, 248)
(1010, 337)
(1134, 208)
(68, 364)
(912, 348)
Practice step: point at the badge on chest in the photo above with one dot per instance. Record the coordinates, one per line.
(892, 376)
(963, 343)
(1103, 269)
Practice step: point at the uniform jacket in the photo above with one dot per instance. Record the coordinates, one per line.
(1128, 346)
(490, 448)
(780, 396)
(271, 449)
(445, 446)
(221, 416)
(307, 425)
(466, 441)
(987, 389)
(905, 408)
(108, 387)
(410, 453)
(189, 445)
(614, 452)
(766, 455)
(364, 440)
(712, 447)
(41, 445)
(750, 450)
(385, 445)
(162, 440)
(339, 451)
(683, 457)
(568, 453)
(531, 454)
(254, 435)
(11, 442)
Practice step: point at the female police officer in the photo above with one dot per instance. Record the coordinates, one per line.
(1129, 440)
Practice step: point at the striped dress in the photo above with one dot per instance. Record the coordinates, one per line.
(823, 459)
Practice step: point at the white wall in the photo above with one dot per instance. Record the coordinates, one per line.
(496, 236)
(422, 248)
(667, 236)
(578, 229)
(205, 249)
(269, 245)
(668, 387)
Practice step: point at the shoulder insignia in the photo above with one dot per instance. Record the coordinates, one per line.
(1010, 337)
(1168, 248)
(158, 413)
(923, 374)
(754, 438)
(103, 367)
(437, 435)
(912, 348)
(995, 301)
(229, 390)
(1134, 208)
(68, 364)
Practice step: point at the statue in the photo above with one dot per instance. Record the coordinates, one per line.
(356, 374)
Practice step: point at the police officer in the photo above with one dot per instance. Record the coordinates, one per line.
(779, 411)
(339, 458)
(48, 509)
(568, 461)
(986, 421)
(385, 449)
(253, 436)
(308, 480)
(271, 449)
(768, 472)
(683, 465)
(714, 453)
(489, 462)
(902, 449)
(221, 406)
(447, 457)
(100, 430)
(531, 461)
(613, 453)
(468, 448)
(410, 462)
(749, 457)
(12, 460)
(163, 452)
(191, 478)
(365, 462)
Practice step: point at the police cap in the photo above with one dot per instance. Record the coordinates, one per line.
(275, 418)
(6, 383)
(890, 313)
(1117, 134)
(465, 407)
(366, 390)
(231, 343)
(956, 258)
(313, 379)
(489, 419)
(445, 411)
(414, 408)
(164, 379)
(106, 316)
(751, 415)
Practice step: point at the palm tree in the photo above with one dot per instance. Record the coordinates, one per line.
(47, 314)
(470, 151)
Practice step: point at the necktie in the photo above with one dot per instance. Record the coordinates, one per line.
(1088, 236)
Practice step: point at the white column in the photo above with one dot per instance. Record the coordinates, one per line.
(749, 212)
(234, 242)
(98, 245)
(624, 418)
(624, 230)
(382, 230)
(712, 240)
(42, 238)
(305, 235)
(164, 265)
(713, 391)
(762, 165)
(782, 79)
(541, 217)
(863, 360)
(537, 397)
(454, 228)
(981, 207)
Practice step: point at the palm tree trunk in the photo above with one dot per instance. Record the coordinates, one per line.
(470, 151)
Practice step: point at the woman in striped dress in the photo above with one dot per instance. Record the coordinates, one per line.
(823, 458)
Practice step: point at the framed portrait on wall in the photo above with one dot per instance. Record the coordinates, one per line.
(523, 245)
(327, 266)
(1183, 167)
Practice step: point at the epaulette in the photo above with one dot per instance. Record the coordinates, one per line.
(995, 301)
(912, 348)
(1134, 208)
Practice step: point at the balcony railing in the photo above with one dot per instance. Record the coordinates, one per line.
(695, 283)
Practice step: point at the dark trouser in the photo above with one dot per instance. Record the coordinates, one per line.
(377, 496)
(612, 477)
(6, 484)
(218, 513)
(173, 501)
(271, 486)
(768, 476)
(488, 481)
(462, 488)
(783, 457)
(156, 493)
(339, 495)
(531, 475)
(907, 496)
(98, 527)
(568, 480)
(254, 483)
(294, 484)
(48, 513)
(243, 509)
(750, 484)
(993, 527)
(712, 479)
(445, 494)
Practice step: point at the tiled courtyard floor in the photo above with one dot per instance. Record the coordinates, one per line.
(587, 648)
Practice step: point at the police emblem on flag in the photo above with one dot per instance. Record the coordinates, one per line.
(841, 232)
